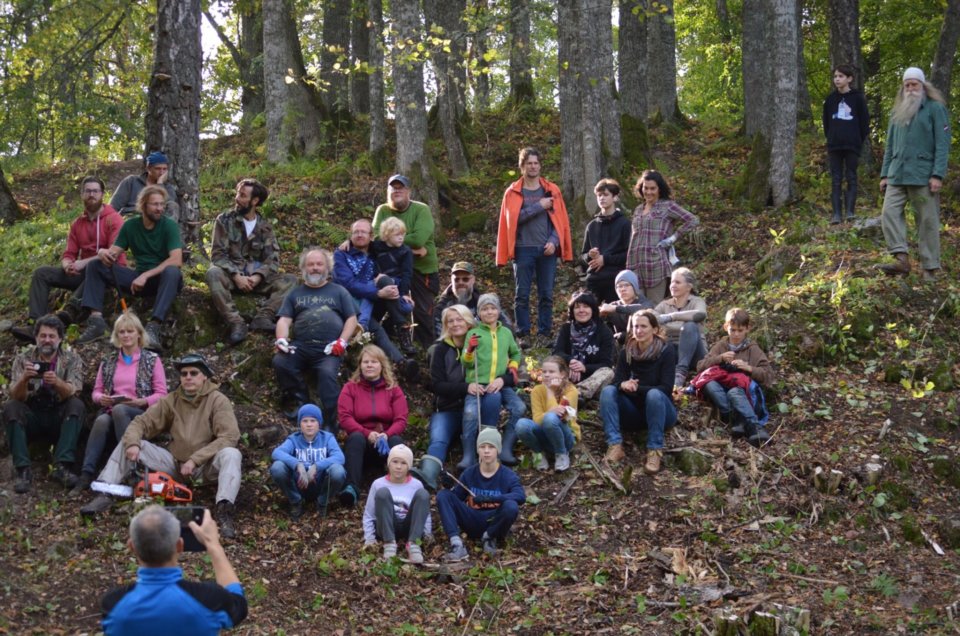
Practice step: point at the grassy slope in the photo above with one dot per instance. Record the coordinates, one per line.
(752, 523)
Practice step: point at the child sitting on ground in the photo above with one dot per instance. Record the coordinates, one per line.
(490, 359)
(553, 430)
(732, 376)
(395, 260)
(308, 464)
(398, 507)
(484, 504)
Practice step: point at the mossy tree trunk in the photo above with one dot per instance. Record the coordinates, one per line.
(335, 50)
(447, 15)
(360, 36)
(521, 80)
(9, 210)
(943, 58)
(378, 125)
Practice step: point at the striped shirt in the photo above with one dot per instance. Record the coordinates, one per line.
(644, 258)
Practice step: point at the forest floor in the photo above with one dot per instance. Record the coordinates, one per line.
(724, 528)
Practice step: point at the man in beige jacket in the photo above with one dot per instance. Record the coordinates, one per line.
(204, 432)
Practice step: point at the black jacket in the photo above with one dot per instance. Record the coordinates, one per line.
(447, 379)
(611, 236)
(846, 128)
(603, 339)
(652, 374)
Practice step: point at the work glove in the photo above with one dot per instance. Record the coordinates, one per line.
(382, 446)
(336, 348)
(473, 343)
(302, 480)
(667, 242)
(283, 345)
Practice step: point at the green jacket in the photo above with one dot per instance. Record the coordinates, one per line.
(496, 352)
(236, 253)
(419, 222)
(919, 150)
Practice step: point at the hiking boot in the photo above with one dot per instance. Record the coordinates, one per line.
(562, 462)
(65, 476)
(652, 465)
(389, 550)
(348, 497)
(224, 516)
(262, 323)
(414, 553)
(928, 275)
(759, 438)
(24, 481)
(96, 328)
(900, 268)
(737, 430)
(70, 314)
(97, 505)
(457, 553)
(615, 454)
(836, 219)
(82, 484)
(543, 464)
(238, 333)
(489, 546)
(405, 341)
(154, 340)
(24, 334)
(296, 510)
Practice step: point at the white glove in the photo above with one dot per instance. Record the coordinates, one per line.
(667, 242)
(283, 345)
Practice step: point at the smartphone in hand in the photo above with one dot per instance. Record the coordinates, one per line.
(186, 514)
(41, 367)
(119, 399)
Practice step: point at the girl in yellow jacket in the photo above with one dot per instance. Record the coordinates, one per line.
(553, 429)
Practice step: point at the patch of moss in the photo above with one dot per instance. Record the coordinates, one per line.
(911, 530)
(945, 468)
(902, 463)
(899, 496)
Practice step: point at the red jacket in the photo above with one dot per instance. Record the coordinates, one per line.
(510, 217)
(86, 236)
(366, 408)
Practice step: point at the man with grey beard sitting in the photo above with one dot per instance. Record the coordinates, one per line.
(462, 290)
(914, 165)
(323, 317)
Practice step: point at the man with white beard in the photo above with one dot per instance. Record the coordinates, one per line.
(323, 316)
(462, 290)
(914, 165)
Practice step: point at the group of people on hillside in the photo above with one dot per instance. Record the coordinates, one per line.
(633, 339)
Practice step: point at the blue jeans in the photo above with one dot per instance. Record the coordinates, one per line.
(527, 262)
(444, 426)
(330, 480)
(732, 400)
(291, 370)
(658, 412)
(115, 422)
(490, 405)
(552, 435)
(690, 351)
(456, 515)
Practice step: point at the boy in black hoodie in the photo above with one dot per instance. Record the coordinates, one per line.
(846, 126)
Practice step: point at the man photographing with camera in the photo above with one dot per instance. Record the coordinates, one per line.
(43, 402)
(161, 602)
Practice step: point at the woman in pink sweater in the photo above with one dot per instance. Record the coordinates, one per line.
(128, 382)
(373, 413)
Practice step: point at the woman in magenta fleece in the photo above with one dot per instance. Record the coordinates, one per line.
(373, 413)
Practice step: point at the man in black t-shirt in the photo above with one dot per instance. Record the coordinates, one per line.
(323, 317)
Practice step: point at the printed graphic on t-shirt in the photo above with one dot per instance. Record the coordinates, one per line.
(844, 112)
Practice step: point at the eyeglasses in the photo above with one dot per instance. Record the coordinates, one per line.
(462, 279)
(189, 373)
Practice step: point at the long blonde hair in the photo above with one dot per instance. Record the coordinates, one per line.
(386, 368)
(564, 369)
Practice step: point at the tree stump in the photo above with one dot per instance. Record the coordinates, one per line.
(726, 623)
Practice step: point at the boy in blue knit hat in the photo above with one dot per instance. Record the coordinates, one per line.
(309, 464)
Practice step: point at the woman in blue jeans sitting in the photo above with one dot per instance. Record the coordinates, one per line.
(642, 390)
(681, 317)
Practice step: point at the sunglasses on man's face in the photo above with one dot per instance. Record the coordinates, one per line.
(189, 373)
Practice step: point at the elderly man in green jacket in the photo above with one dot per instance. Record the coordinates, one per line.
(914, 165)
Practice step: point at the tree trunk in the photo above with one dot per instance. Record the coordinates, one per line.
(603, 74)
(412, 158)
(334, 58)
(844, 18)
(784, 97)
(378, 126)
(633, 59)
(478, 61)
(360, 36)
(444, 19)
(248, 57)
(757, 75)
(521, 80)
(942, 70)
(9, 210)
(662, 64)
(571, 138)
(173, 104)
(294, 110)
(723, 19)
(804, 109)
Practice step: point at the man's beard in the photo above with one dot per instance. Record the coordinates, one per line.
(316, 280)
(463, 294)
(242, 211)
(905, 108)
(46, 350)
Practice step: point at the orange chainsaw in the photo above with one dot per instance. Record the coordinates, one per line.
(155, 484)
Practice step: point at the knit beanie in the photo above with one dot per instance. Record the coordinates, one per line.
(403, 452)
(489, 435)
(913, 73)
(157, 157)
(310, 410)
(628, 277)
(488, 299)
